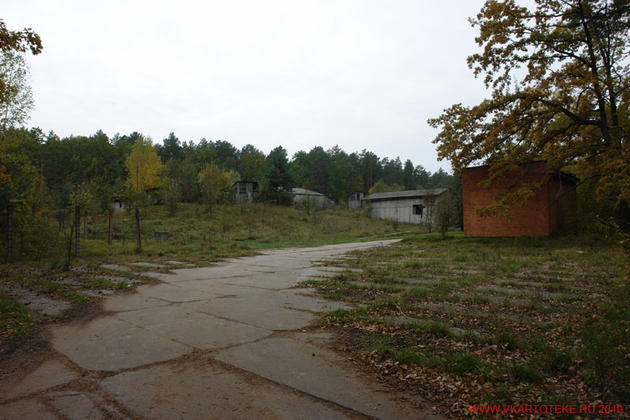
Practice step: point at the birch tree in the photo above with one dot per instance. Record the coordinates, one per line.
(143, 166)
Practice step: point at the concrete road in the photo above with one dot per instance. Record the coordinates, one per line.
(224, 342)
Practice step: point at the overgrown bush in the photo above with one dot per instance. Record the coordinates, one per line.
(33, 237)
(606, 349)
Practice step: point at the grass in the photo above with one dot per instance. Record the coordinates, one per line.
(510, 340)
(61, 290)
(14, 317)
(345, 316)
(436, 328)
(528, 318)
(101, 283)
(198, 235)
(457, 363)
(463, 363)
(522, 372)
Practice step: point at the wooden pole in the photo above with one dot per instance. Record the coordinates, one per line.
(110, 215)
(138, 229)
(77, 230)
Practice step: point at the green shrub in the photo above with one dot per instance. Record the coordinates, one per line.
(521, 372)
(14, 317)
(509, 340)
(463, 363)
(607, 342)
(556, 361)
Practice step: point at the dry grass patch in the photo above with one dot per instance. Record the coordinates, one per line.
(496, 321)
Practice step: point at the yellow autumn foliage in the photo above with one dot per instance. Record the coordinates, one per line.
(143, 166)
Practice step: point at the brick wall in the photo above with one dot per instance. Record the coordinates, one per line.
(563, 204)
(549, 210)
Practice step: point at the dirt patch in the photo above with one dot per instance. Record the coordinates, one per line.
(35, 301)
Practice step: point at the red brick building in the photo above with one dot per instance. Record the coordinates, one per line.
(551, 209)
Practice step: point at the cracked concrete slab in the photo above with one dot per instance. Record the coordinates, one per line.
(118, 279)
(261, 313)
(26, 409)
(269, 281)
(211, 342)
(49, 374)
(200, 389)
(147, 265)
(301, 300)
(222, 271)
(77, 405)
(318, 372)
(172, 294)
(175, 262)
(109, 344)
(186, 325)
(132, 302)
(97, 293)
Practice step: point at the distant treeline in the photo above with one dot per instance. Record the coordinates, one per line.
(332, 172)
(71, 163)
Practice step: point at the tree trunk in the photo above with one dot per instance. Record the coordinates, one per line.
(10, 232)
(85, 226)
(110, 216)
(138, 229)
(61, 217)
(69, 254)
(77, 231)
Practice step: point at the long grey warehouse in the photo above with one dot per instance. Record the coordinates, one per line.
(413, 206)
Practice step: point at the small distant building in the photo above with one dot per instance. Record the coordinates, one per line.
(355, 201)
(117, 205)
(413, 206)
(317, 201)
(245, 191)
(551, 209)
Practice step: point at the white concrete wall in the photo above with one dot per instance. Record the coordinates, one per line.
(401, 210)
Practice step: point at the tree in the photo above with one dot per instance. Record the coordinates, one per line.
(19, 40)
(105, 176)
(381, 187)
(17, 189)
(344, 178)
(439, 179)
(278, 180)
(215, 185)
(171, 148)
(409, 179)
(183, 178)
(370, 169)
(251, 163)
(13, 70)
(13, 88)
(17, 98)
(393, 172)
(143, 166)
(421, 176)
(444, 213)
(568, 106)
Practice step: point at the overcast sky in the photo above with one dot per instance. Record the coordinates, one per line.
(358, 74)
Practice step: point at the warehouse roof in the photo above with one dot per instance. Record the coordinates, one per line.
(402, 195)
(304, 191)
